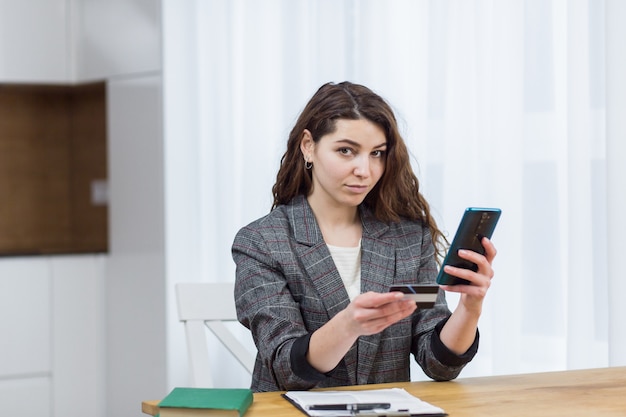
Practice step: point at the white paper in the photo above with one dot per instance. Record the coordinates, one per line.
(400, 400)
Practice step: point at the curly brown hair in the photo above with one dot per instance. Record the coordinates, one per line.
(396, 195)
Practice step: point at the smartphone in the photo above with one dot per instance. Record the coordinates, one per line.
(424, 295)
(476, 223)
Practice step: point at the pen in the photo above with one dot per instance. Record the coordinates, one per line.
(350, 407)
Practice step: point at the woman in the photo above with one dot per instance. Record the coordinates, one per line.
(348, 221)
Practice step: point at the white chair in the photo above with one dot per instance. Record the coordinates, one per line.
(202, 305)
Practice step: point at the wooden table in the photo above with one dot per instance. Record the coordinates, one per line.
(588, 393)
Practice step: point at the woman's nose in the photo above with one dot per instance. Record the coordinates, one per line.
(362, 167)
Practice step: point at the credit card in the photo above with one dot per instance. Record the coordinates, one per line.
(424, 295)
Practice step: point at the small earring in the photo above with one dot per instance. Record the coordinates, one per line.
(308, 164)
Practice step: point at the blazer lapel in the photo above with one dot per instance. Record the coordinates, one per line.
(316, 258)
(378, 256)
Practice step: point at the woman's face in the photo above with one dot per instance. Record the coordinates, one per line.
(347, 163)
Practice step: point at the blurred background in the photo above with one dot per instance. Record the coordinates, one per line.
(516, 104)
(502, 104)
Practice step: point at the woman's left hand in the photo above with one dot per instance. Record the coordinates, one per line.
(472, 295)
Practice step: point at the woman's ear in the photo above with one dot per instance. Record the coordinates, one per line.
(307, 144)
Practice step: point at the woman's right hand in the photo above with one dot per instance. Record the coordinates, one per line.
(367, 314)
(370, 313)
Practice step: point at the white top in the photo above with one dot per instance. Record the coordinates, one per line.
(348, 263)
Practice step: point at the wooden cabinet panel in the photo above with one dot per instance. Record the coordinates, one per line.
(52, 148)
(88, 164)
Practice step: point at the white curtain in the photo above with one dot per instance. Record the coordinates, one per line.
(502, 103)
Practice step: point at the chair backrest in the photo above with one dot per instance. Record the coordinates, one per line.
(203, 305)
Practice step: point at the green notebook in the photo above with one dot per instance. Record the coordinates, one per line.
(190, 402)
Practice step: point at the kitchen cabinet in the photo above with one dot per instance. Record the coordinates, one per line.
(53, 169)
(52, 326)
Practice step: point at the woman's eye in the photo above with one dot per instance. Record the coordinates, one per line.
(379, 153)
(345, 151)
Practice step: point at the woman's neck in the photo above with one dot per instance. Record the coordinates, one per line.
(340, 226)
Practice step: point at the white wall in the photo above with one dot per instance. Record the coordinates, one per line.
(87, 334)
(135, 286)
(120, 41)
(116, 38)
(64, 41)
(33, 41)
(616, 173)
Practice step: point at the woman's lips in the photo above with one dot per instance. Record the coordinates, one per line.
(357, 188)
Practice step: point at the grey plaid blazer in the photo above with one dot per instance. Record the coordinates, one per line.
(287, 285)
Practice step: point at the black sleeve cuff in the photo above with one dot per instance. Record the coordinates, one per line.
(445, 355)
(300, 366)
